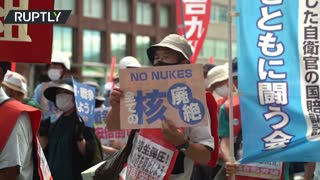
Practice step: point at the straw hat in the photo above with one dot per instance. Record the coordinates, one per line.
(15, 81)
(217, 74)
(174, 42)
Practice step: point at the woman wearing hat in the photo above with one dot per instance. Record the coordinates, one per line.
(66, 145)
(57, 70)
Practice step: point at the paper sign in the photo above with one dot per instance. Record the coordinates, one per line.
(103, 133)
(267, 170)
(153, 94)
(148, 160)
(85, 101)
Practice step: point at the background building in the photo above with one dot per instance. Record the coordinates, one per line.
(216, 42)
(97, 30)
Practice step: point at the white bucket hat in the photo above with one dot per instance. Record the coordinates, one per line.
(129, 62)
(217, 74)
(15, 81)
(174, 42)
(61, 59)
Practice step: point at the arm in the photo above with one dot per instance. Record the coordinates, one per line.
(196, 151)
(10, 173)
(309, 169)
(231, 166)
(37, 93)
(108, 150)
(17, 152)
(82, 146)
(225, 149)
(113, 117)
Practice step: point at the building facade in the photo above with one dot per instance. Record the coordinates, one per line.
(216, 42)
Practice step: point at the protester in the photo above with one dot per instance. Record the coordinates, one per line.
(208, 171)
(172, 50)
(206, 68)
(231, 167)
(15, 85)
(57, 70)
(68, 150)
(19, 124)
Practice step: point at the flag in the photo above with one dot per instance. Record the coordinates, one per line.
(192, 21)
(278, 44)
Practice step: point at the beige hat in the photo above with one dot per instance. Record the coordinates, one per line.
(15, 81)
(174, 42)
(217, 74)
(129, 62)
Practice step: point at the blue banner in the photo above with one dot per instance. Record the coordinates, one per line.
(85, 102)
(278, 44)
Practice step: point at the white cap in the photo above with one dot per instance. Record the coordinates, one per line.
(129, 61)
(217, 74)
(62, 59)
(15, 81)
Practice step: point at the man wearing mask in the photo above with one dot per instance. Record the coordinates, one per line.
(66, 143)
(57, 70)
(19, 124)
(196, 143)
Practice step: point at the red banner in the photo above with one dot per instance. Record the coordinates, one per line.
(31, 43)
(192, 21)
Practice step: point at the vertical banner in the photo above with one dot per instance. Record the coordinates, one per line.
(192, 21)
(25, 42)
(278, 44)
(85, 100)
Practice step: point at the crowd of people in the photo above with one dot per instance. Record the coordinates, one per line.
(70, 147)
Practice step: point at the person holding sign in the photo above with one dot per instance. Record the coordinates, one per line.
(194, 143)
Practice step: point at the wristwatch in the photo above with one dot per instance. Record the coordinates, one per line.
(183, 147)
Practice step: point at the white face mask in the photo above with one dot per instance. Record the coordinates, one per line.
(64, 102)
(222, 91)
(54, 74)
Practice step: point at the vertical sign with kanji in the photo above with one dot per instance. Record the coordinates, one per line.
(152, 95)
(85, 102)
(25, 42)
(192, 21)
(279, 79)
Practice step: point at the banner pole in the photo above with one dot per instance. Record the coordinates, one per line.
(182, 20)
(231, 135)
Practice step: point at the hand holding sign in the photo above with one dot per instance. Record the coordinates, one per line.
(172, 133)
(115, 96)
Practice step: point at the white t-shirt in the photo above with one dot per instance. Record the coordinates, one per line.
(18, 149)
